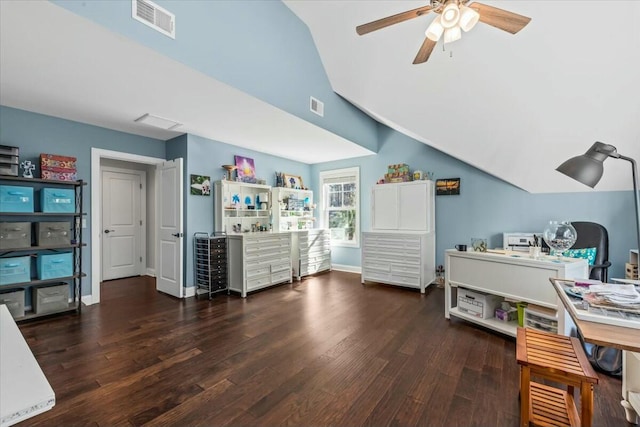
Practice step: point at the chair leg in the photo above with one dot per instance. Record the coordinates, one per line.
(525, 395)
(586, 404)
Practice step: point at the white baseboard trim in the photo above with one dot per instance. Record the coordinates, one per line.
(190, 292)
(87, 299)
(151, 272)
(347, 268)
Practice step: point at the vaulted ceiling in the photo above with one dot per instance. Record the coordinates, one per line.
(515, 106)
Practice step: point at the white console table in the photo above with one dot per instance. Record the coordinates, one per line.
(512, 275)
(24, 390)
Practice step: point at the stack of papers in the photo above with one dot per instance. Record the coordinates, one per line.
(617, 295)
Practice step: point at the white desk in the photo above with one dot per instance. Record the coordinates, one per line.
(512, 275)
(24, 390)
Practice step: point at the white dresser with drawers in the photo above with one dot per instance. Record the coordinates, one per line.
(311, 251)
(258, 260)
(399, 258)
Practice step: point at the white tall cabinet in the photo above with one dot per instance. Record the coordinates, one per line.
(403, 206)
(400, 248)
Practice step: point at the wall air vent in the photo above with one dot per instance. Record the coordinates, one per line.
(154, 16)
(316, 106)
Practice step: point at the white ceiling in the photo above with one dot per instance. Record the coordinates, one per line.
(56, 63)
(515, 106)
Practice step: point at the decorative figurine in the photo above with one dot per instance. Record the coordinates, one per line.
(28, 168)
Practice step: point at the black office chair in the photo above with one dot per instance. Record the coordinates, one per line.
(593, 235)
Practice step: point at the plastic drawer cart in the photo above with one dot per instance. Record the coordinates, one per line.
(210, 263)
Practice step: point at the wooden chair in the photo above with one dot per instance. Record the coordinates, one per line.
(558, 359)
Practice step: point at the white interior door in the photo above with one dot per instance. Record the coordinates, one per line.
(169, 265)
(121, 224)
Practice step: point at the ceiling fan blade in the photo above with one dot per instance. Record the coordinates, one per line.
(390, 20)
(499, 18)
(425, 51)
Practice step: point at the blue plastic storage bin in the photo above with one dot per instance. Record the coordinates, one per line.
(15, 270)
(57, 200)
(53, 266)
(15, 198)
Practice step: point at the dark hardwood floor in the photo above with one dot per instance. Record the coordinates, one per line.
(323, 351)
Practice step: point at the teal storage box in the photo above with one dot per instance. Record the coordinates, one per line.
(15, 270)
(57, 200)
(53, 266)
(15, 198)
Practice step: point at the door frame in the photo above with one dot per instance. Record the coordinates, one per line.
(143, 213)
(97, 154)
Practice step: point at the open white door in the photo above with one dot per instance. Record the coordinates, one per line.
(169, 265)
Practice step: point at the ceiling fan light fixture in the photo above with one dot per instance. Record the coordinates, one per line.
(435, 30)
(452, 34)
(450, 15)
(468, 18)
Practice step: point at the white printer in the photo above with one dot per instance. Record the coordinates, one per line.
(519, 241)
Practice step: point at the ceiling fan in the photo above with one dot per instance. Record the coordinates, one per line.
(453, 16)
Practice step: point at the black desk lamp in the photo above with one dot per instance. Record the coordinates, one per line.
(588, 169)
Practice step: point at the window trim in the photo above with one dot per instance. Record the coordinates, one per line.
(337, 173)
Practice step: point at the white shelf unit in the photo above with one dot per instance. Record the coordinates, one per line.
(258, 260)
(292, 209)
(513, 276)
(238, 203)
(310, 251)
(402, 259)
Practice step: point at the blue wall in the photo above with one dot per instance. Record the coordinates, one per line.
(487, 206)
(262, 48)
(36, 133)
(259, 47)
(206, 158)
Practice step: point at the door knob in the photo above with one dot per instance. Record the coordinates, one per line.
(109, 231)
(177, 234)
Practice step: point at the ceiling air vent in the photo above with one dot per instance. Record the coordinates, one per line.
(316, 106)
(154, 16)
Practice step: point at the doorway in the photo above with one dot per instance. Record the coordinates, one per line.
(112, 159)
(124, 221)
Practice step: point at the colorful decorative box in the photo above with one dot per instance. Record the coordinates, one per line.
(57, 200)
(52, 266)
(15, 198)
(58, 168)
(15, 270)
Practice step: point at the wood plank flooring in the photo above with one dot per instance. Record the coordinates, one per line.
(326, 351)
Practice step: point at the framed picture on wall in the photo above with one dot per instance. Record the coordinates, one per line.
(293, 181)
(448, 187)
(246, 169)
(200, 185)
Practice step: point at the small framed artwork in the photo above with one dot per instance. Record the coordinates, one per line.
(448, 187)
(200, 185)
(293, 181)
(246, 169)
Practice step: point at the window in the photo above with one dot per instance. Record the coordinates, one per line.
(340, 205)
